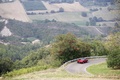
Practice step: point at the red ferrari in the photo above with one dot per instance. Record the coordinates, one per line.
(83, 60)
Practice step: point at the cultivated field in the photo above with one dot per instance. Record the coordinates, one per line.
(33, 5)
(71, 14)
(107, 15)
(13, 10)
(74, 7)
(69, 17)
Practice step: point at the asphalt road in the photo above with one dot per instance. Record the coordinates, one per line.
(81, 68)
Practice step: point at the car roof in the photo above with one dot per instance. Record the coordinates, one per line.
(82, 58)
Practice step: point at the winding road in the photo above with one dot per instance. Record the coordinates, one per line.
(81, 68)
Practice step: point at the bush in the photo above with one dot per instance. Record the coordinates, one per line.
(25, 70)
(61, 9)
(5, 65)
(114, 59)
(1, 25)
(84, 14)
(50, 60)
(113, 45)
(52, 11)
(98, 49)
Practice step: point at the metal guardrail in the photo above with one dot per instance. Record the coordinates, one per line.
(91, 57)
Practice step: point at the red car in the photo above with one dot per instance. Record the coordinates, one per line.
(83, 60)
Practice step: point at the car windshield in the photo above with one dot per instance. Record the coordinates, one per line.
(83, 58)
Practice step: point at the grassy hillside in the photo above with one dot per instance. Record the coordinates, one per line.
(46, 30)
(42, 30)
(13, 10)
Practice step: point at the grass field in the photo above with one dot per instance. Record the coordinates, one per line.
(33, 5)
(103, 71)
(74, 7)
(69, 17)
(107, 15)
(72, 13)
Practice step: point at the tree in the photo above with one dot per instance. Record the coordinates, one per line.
(95, 18)
(100, 19)
(98, 49)
(84, 14)
(92, 22)
(87, 23)
(67, 47)
(61, 9)
(52, 11)
(116, 25)
(1, 25)
(113, 45)
(113, 41)
(5, 65)
(113, 60)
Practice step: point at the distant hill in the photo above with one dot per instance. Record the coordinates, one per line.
(45, 31)
(13, 10)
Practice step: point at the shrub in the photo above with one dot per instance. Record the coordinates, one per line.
(113, 45)
(61, 9)
(84, 14)
(113, 60)
(25, 70)
(52, 11)
(6, 65)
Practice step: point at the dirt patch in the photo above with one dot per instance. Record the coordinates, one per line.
(6, 32)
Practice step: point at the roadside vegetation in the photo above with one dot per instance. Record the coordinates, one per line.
(65, 47)
(111, 68)
(113, 45)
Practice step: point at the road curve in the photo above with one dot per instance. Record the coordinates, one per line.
(81, 68)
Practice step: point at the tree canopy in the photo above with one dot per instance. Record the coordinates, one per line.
(68, 47)
(113, 45)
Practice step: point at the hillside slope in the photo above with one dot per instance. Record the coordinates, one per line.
(13, 10)
(74, 7)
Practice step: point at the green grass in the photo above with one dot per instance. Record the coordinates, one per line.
(25, 71)
(103, 70)
(33, 5)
